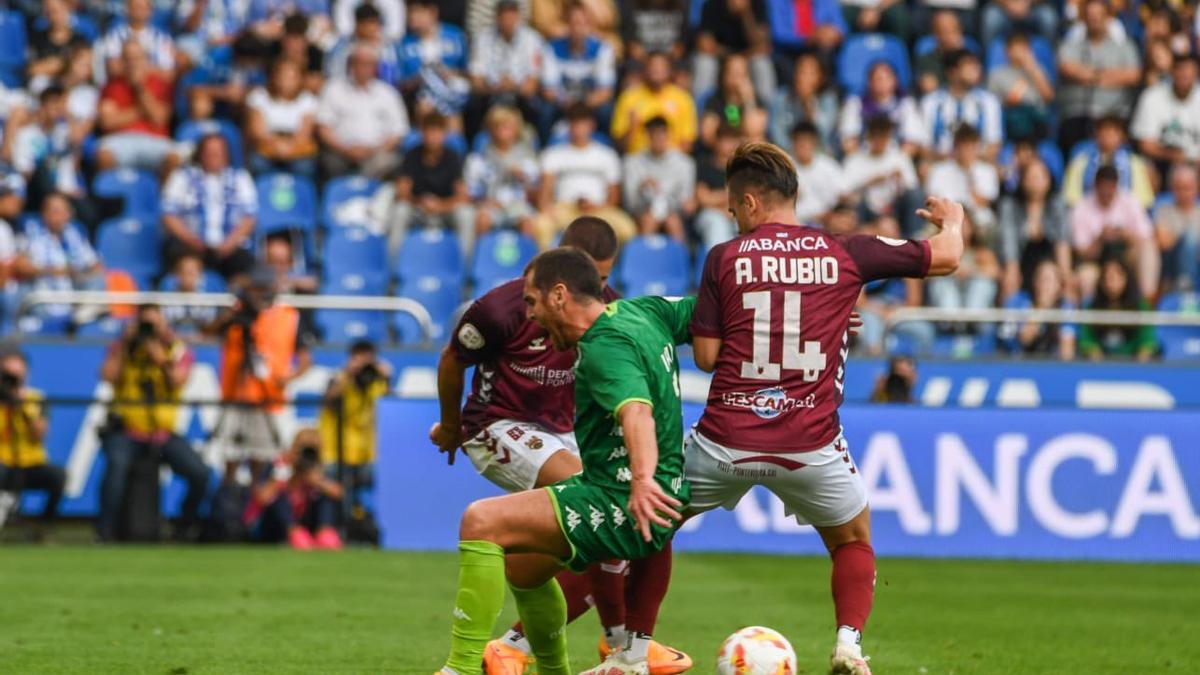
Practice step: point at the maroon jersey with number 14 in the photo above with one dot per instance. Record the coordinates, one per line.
(780, 298)
(518, 374)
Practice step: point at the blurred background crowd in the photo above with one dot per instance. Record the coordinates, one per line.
(424, 148)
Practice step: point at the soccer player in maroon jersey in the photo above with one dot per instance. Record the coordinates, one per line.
(772, 322)
(516, 428)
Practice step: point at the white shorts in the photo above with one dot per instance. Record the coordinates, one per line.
(821, 487)
(511, 453)
(247, 434)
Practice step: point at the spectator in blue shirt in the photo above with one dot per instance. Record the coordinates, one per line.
(962, 101)
(210, 209)
(579, 67)
(205, 24)
(54, 255)
(433, 62)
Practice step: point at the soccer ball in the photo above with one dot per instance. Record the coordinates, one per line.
(756, 651)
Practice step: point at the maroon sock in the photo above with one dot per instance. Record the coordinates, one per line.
(577, 590)
(645, 589)
(608, 591)
(853, 583)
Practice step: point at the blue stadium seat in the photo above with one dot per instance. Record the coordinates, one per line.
(285, 202)
(211, 282)
(430, 252)
(106, 327)
(863, 50)
(355, 283)
(441, 298)
(193, 130)
(1043, 51)
(12, 48)
(499, 257)
(345, 325)
(338, 202)
(83, 25)
(1163, 199)
(653, 265)
(138, 188)
(454, 141)
(130, 244)
(1180, 342)
(354, 249)
(785, 33)
(1082, 147)
(928, 43)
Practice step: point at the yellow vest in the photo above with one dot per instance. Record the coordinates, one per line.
(358, 425)
(17, 448)
(139, 379)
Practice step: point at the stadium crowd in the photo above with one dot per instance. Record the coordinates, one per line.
(428, 147)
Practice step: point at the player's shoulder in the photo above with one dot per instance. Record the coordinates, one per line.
(502, 302)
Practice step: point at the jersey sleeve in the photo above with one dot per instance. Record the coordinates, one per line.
(706, 317)
(611, 372)
(480, 333)
(676, 313)
(885, 258)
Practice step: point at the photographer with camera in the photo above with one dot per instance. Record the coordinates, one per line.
(348, 414)
(259, 342)
(24, 462)
(898, 383)
(147, 368)
(300, 510)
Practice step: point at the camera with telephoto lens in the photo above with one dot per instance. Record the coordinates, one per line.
(367, 376)
(307, 459)
(10, 387)
(144, 333)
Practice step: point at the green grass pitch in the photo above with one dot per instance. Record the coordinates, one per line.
(257, 610)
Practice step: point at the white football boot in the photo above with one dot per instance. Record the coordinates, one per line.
(617, 664)
(848, 660)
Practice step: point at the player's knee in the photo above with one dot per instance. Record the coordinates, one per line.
(477, 523)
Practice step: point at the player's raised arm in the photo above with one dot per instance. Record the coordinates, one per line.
(648, 502)
(945, 247)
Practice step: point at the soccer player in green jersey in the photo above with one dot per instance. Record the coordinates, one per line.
(627, 502)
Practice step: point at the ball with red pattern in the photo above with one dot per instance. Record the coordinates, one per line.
(756, 651)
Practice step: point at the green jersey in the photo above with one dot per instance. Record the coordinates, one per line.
(629, 355)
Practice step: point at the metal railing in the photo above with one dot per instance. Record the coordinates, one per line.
(344, 302)
(1097, 317)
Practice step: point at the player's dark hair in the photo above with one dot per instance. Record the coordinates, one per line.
(762, 168)
(592, 235)
(965, 133)
(570, 267)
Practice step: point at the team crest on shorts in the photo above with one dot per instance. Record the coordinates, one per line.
(534, 443)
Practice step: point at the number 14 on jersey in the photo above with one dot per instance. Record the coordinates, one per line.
(806, 357)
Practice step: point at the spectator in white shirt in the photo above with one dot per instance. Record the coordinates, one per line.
(281, 123)
(883, 97)
(159, 47)
(360, 120)
(502, 177)
(506, 63)
(882, 177)
(210, 209)
(1166, 125)
(968, 180)
(580, 177)
(818, 174)
(962, 101)
(42, 149)
(660, 182)
(55, 255)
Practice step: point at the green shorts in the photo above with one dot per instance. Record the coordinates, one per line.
(596, 522)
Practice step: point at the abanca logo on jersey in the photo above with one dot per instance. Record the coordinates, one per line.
(767, 403)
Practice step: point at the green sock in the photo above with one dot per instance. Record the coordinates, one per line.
(543, 610)
(477, 605)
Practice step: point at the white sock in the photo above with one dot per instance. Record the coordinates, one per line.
(637, 648)
(516, 640)
(848, 635)
(616, 636)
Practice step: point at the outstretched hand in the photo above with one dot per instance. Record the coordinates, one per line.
(942, 212)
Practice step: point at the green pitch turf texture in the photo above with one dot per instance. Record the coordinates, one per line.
(256, 610)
